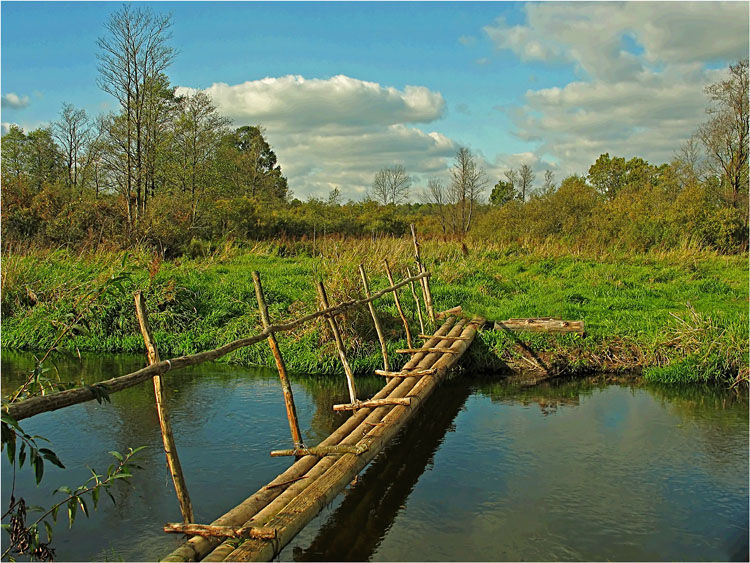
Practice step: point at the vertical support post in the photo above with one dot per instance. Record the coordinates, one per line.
(375, 320)
(339, 343)
(425, 281)
(291, 411)
(416, 300)
(398, 304)
(170, 449)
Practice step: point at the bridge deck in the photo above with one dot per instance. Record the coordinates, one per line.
(296, 496)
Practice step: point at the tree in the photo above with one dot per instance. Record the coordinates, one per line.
(437, 198)
(248, 166)
(512, 177)
(198, 131)
(14, 153)
(43, 158)
(391, 185)
(502, 193)
(72, 133)
(525, 180)
(607, 175)
(725, 134)
(468, 182)
(549, 182)
(131, 58)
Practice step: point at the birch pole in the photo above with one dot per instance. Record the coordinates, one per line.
(375, 320)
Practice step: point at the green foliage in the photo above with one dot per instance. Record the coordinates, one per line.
(502, 193)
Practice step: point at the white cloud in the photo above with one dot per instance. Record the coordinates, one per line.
(5, 127)
(642, 69)
(14, 101)
(338, 131)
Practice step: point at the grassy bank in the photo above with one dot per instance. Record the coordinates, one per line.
(679, 316)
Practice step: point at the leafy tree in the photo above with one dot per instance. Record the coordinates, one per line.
(248, 166)
(502, 193)
(525, 179)
(391, 185)
(725, 135)
(44, 161)
(14, 153)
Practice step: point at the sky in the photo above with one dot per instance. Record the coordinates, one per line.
(344, 89)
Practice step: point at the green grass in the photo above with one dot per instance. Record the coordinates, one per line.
(679, 316)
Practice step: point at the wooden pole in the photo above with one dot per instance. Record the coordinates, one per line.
(425, 282)
(375, 320)
(291, 411)
(339, 343)
(61, 399)
(170, 449)
(416, 300)
(398, 305)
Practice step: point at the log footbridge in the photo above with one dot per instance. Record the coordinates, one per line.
(259, 527)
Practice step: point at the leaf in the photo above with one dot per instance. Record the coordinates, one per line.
(39, 469)
(55, 509)
(117, 455)
(83, 506)
(22, 455)
(48, 528)
(95, 496)
(7, 419)
(11, 443)
(51, 456)
(63, 489)
(72, 508)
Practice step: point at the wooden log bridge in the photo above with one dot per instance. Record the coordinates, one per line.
(285, 505)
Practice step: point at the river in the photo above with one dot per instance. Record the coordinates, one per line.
(491, 470)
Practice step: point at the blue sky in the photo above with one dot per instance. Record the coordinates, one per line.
(550, 84)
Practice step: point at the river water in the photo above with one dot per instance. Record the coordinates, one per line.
(490, 470)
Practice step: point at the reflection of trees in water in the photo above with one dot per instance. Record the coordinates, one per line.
(549, 395)
(356, 528)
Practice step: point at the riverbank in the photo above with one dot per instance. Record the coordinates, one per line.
(677, 317)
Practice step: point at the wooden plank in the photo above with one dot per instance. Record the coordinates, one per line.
(398, 305)
(286, 387)
(319, 451)
(220, 531)
(540, 325)
(167, 437)
(446, 338)
(375, 320)
(372, 403)
(416, 300)
(425, 281)
(339, 343)
(457, 310)
(411, 373)
(415, 350)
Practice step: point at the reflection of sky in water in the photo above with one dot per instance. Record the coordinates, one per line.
(573, 471)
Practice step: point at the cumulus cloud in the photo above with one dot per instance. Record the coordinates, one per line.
(642, 68)
(14, 101)
(338, 132)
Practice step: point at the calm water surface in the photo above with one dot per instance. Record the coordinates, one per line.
(490, 471)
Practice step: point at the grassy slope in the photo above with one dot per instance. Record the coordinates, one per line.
(627, 302)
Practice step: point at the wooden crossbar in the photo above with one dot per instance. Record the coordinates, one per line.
(320, 451)
(221, 531)
(447, 338)
(412, 373)
(406, 401)
(457, 310)
(429, 350)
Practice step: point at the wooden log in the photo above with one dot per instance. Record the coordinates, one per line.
(375, 320)
(291, 411)
(221, 531)
(457, 310)
(371, 403)
(411, 373)
(319, 451)
(339, 343)
(540, 325)
(425, 283)
(398, 305)
(304, 507)
(416, 301)
(415, 350)
(167, 437)
(271, 498)
(447, 338)
(61, 399)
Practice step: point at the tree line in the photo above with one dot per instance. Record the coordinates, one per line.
(166, 170)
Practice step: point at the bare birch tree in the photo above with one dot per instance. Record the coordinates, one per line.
(72, 132)
(391, 185)
(468, 182)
